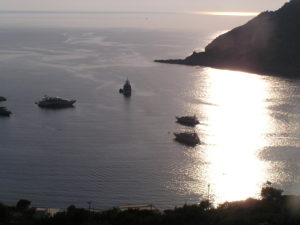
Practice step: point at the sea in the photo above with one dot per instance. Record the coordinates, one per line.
(115, 151)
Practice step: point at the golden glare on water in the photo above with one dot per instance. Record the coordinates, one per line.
(235, 123)
(227, 13)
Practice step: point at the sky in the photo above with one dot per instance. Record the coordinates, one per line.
(141, 5)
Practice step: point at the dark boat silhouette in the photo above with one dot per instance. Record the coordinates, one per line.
(4, 111)
(187, 138)
(126, 90)
(188, 120)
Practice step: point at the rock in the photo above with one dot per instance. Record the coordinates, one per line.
(2, 99)
(267, 44)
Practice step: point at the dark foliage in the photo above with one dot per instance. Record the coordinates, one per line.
(273, 209)
(271, 194)
(23, 204)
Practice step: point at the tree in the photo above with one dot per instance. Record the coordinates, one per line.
(270, 193)
(23, 204)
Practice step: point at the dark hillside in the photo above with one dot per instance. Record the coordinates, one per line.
(269, 43)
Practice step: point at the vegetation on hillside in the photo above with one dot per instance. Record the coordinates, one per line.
(272, 209)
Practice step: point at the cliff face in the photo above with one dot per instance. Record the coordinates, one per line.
(269, 43)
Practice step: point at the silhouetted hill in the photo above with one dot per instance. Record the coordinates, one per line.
(269, 44)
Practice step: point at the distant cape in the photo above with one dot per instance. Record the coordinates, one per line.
(267, 44)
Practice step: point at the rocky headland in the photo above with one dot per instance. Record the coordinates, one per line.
(267, 44)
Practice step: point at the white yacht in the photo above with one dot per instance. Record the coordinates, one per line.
(55, 102)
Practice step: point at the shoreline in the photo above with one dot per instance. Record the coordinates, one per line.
(292, 74)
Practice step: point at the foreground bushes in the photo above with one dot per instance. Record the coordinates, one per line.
(273, 209)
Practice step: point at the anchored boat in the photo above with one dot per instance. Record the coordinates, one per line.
(4, 111)
(55, 102)
(126, 90)
(188, 120)
(2, 99)
(187, 138)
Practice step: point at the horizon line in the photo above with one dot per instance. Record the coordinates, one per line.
(210, 13)
(227, 13)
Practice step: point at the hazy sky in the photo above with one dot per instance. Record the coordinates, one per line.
(142, 5)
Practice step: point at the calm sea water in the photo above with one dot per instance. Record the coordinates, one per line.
(113, 151)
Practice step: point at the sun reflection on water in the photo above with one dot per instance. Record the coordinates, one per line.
(215, 13)
(235, 124)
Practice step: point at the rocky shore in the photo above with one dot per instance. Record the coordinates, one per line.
(267, 44)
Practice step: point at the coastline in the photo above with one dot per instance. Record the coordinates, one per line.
(267, 44)
(292, 74)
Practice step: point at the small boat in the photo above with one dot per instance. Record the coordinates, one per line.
(187, 138)
(188, 120)
(4, 111)
(55, 102)
(2, 99)
(126, 90)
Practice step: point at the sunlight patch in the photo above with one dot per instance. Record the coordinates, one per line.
(227, 13)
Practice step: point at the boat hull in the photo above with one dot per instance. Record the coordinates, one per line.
(126, 90)
(189, 139)
(56, 105)
(4, 112)
(187, 121)
(2, 99)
